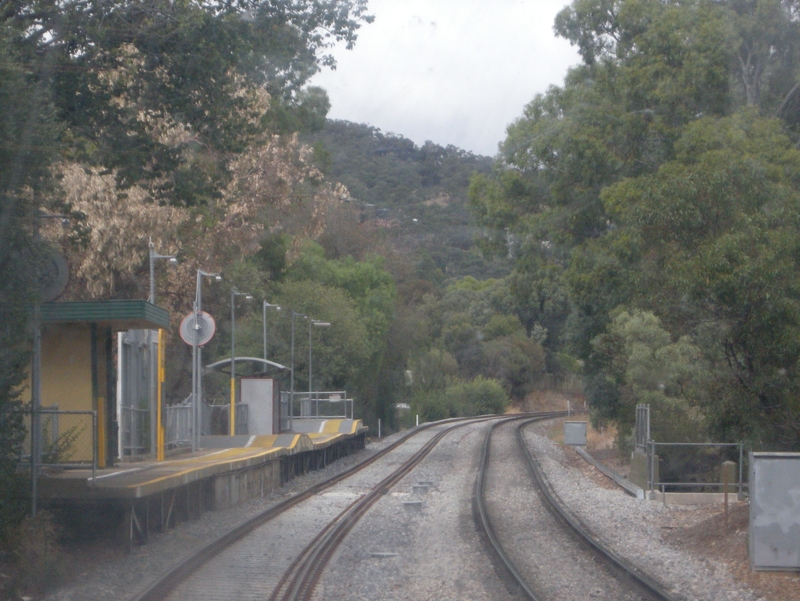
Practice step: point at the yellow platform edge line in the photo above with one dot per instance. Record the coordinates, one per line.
(195, 468)
(331, 426)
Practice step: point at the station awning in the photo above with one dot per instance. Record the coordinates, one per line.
(117, 314)
(253, 365)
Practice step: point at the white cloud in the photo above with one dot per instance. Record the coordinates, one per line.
(451, 71)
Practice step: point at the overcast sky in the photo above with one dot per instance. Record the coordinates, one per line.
(451, 71)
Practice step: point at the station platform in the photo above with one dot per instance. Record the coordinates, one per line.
(146, 496)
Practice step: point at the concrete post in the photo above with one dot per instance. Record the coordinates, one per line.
(728, 476)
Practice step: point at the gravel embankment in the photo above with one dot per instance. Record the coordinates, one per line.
(633, 529)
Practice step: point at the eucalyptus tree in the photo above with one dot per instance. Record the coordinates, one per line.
(163, 92)
(656, 179)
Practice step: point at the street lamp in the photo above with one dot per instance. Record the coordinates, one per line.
(319, 324)
(247, 296)
(197, 376)
(266, 306)
(153, 256)
(291, 385)
(156, 432)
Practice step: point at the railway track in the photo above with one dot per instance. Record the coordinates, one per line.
(298, 581)
(254, 561)
(554, 541)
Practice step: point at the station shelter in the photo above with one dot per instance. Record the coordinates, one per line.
(78, 372)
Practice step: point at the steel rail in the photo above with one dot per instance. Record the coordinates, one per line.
(482, 519)
(160, 588)
(647, 585)
(316, 555)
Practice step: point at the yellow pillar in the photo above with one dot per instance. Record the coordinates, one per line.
(233, 405)
(101, 432)
(159, 384)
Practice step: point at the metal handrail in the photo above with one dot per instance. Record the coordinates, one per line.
(66, 464)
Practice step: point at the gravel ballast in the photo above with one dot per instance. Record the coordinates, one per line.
(434, 553)
(633, 528)
(397, 552)
(554, 563)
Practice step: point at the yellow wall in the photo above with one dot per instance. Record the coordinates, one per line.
(67, 366)
(67, 382)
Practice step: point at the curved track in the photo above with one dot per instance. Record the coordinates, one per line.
(298, 582)
(545, 537)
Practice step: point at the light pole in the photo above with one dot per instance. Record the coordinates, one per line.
(153, 256)
(247, 296)
(197, 376)
(291, 385)
(266, 306)
(319, 324)
(156, 432)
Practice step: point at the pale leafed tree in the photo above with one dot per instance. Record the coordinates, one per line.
(118, 226)
(273, 187)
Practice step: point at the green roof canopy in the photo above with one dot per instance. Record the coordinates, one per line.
(117, 314)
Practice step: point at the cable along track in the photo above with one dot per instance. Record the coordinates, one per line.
(527, 556)
(298, 582)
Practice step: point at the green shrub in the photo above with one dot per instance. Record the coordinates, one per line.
(481, 396)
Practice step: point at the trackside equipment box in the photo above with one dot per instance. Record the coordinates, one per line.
(775, 511)
(575, 433)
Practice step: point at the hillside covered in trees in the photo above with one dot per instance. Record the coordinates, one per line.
(418, 195)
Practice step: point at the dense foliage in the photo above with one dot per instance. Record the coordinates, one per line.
(27, 134)
(651, 202)
(162, 92)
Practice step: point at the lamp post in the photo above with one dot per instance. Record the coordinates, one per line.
(156, 431)
(153, 257)
(291, 380)
(197, 377)
(319, 324)
(247, 296)
(266, 306)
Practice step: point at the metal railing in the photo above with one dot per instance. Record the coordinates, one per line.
(642, 428)
(318, 405)
(216, 419)
(135, 431)
(68, 439)
(178, 425)
(694, 466)
(285, 424)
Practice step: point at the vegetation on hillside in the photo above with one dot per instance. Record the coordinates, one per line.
(416, 194)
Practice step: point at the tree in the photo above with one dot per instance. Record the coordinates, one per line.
(717, 233)
(27, 133)
(644, 183)
(162, 92)
(643, 365)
